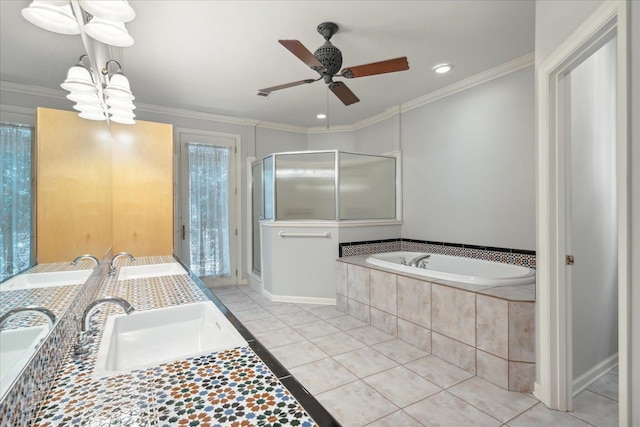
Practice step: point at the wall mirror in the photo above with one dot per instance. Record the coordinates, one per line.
(73, 216)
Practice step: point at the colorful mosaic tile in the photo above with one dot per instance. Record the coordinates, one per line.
(228, 388)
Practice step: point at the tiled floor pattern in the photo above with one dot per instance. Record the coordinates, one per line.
(366, 377)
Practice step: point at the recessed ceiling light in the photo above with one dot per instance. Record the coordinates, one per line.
(442, 68)
(321, 116)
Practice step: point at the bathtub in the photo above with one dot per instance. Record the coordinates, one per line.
(457, 269)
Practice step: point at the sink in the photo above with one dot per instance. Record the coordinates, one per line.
(149, 338)
(151, 270)
(16, 347)
(45, 280)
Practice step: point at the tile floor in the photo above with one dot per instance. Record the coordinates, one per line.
(366, 377)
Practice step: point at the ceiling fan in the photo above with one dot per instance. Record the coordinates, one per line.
(327, 60)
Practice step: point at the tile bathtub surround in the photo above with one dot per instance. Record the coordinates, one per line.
(487, 331)
(522, 257)
(226, 388)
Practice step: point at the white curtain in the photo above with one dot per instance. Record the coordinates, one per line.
(209, 209)
(17, 200)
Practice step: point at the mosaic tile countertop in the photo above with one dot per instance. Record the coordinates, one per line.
(56, 298)
(228, 388)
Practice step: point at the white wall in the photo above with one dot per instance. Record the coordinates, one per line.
(276, 141)
(593, 240)
(468, 171)
(331, 141)
(378, 138)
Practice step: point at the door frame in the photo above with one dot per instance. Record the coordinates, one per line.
(177, 188)
(554, 379)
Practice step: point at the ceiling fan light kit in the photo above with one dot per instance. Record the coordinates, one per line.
(105, 94)
(327, 60)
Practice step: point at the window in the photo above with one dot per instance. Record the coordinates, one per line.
(16, 181)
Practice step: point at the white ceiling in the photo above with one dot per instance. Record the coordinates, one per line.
(213, 56)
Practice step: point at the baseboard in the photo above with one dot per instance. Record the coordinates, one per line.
(537, 391)
(586, 379)
(297, 299)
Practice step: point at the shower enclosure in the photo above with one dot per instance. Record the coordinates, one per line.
(314, 200)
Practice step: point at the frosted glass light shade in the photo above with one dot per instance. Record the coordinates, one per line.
(89, 108)
(122, 95)
(120, 104)
(108, 32)
(85, 97)
(92, 116)
(79, 79)
(119, 81)
(112, 10)
(54, 16)
(123, 118)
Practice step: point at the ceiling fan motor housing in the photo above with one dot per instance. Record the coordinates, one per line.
(331, 58)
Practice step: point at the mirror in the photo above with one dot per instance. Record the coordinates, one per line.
(73, 217)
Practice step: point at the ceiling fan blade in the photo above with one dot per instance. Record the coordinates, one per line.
(343, 93)
(286, 85)
(302, 53)
(382, 67)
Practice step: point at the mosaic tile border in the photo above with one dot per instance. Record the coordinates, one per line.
(523, 257)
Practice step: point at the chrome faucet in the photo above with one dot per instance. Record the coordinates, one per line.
(419, 261)
(86, 318)
(91, 257)
(87, 331)
(51, 318)
(112, 265)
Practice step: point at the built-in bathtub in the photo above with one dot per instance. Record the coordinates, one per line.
(456, 269)
(485, 329)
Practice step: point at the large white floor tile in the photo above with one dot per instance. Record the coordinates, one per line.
(279, 337)
(438, 371)
(297, 318)
(268, 323)
(327, 312)
(282, 309)
(446, 410)
(318, 328)
(495, 401)
(606, 385)
(540, 415)
(322, 375)
(397, 419)
(346, 322)
(365, 361)
(356, 404)
(402, 386)
(370, 335)
(337, 343)
(298, 353)
(400, 351)
(249, 315)
(595, 409)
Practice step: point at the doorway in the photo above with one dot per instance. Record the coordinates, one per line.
(556, 284)
(208, 212)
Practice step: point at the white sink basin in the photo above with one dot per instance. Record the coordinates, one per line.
(16, 347)
(45, 280)
(149, 338)
(151, 270)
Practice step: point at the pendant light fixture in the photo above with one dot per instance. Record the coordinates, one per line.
(104, 94)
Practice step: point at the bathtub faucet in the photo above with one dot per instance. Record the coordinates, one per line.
(419, 261)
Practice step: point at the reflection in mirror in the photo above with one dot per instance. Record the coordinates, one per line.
(72, 221)
(46, 288)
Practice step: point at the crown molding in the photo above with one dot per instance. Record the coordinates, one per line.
(478, 79)
(281, 126)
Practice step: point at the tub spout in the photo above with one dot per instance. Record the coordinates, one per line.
(419, 260)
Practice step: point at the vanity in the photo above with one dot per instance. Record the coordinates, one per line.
(217, 383)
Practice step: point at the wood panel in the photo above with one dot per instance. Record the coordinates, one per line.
(143, 188)
(73, 186)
